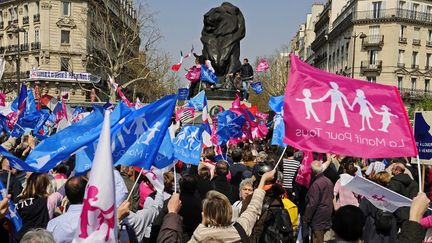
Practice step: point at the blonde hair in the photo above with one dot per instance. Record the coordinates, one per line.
(382, 178)
(217, 210)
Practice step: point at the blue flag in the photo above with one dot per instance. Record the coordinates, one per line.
(229, 126)
(276, 103)
(278, 130)
(208, 75)
(30, 104)
(183, 93)
(20, 102)
(165, 155)
(63, 144)
(15, 162)
(188, 144)
(197, 102)
(13, 216)
(83, 163)
(257, 87)
(136, 141)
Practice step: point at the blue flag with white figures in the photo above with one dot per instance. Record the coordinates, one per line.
(208, 75)
(183, 93)
(136, 141)
(197, 102)
(13, 216)
(257, 87)
(423, 134)
(276, 103)
(68, 141)
(165, 155)
(229, 126)
(188, 144)
(278, 130)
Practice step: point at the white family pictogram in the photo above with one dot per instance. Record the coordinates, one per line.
(339, 101)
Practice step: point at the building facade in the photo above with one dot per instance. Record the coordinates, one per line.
(387, 42)
(54, 44)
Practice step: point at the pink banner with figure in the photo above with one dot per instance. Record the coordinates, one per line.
(325, 112)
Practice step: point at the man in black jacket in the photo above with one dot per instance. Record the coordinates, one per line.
(221, 184)
(246, 74)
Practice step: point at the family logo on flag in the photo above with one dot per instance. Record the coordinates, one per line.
(188, 144)
(325, 112)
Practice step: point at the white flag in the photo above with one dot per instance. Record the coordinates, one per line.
(381, 197)
(98, 221)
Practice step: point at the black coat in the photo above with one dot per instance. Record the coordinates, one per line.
(370, 234)
(221, 184)
(404, 185)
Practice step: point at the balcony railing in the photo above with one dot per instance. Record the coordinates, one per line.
(402, 40)
(35, 46)
(407, 93)
(427, 67)
(416, 42)
(366, 66)
(10, 23)
(26, 20)
(400, 65)
(395, 13)
(36, 18)
(373, 41)
(24, 47)
(414, 66)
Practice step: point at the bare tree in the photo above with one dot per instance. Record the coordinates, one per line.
(274, 80)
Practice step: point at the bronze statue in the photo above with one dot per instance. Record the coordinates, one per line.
(224, 27)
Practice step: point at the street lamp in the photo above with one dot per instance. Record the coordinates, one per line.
(354, 36)
(17, 30)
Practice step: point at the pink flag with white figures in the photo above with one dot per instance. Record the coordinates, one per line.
(262, 66)
(325, 112)
(98, 221)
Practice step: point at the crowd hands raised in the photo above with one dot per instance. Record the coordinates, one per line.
(242, 198)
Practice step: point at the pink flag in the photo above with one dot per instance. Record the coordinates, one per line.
(123, 98)
(2, 99)
(262, 66)
(304, 173)
(98, 221)
(325, 112)
(194, 74)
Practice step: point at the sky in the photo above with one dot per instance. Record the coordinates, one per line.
(269, 24)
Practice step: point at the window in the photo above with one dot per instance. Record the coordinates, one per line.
(37, 61)
(401, 4)
(372, 79)
(414, 58)
(26, 38)
(428, 56)
(1, 16)
(400, 83)
(373, 56)
(26, 10)
(65, 37)
(416, 33)
(10, 14)
(64, 64)
(65, 8)
(415, 8)
(401, 56)
(413, 83)
(15, 13)
(402, 31)
(429, 35)
(428, 12)
(376, 6)
(36, 35)
(427, 85)
(37, 7)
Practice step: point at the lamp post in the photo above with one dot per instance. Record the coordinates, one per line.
(17, 30)
(354, 36)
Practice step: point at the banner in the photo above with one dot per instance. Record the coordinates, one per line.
(183, 93)
(325, 112)
(188, 144)
(423, 134)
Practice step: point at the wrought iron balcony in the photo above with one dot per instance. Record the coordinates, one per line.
(35, 46)
(414, 66)
(373, 41)
(24, 47)
(400, 65)
(26, 20)
(416, 42)
(402, 40)
(36, 18)
(393, 13)
(367, 66)
(415, 94)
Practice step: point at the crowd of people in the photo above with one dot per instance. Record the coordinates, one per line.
(241, 197)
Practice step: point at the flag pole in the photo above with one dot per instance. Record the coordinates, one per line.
(280, 159)
(175, 177)
(8, 181)
(419, 173)
(134, 185)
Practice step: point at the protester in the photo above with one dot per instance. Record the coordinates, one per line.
(38, 236)
(246, 189)
(347, 224)
(289, 169)
(15, 187)
(4, 206)
(34, 205)
(341, 195)
(319, 203)
(221, 184)
(246, 74)
(401, 182)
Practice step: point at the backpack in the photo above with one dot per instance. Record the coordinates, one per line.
(276, 226)
(383, 221)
